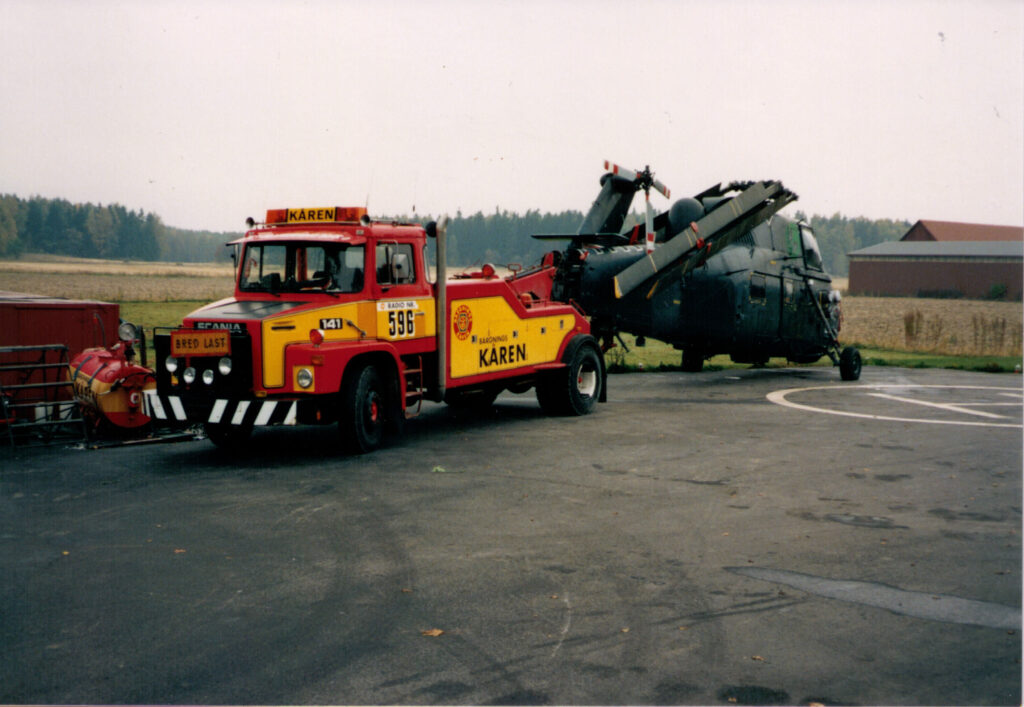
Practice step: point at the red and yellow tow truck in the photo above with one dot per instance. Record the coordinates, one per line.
(336, 320)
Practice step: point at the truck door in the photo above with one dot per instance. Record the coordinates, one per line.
(405, 306)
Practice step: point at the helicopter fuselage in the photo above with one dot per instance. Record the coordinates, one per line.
(762, 296)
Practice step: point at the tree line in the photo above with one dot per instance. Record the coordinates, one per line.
(59, 227)
(56, 226)
(503, 237)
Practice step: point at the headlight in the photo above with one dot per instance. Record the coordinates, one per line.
(171, 364)
(189, 375)
(224, 366)
(208, 376)
(304, 377)
(127, 332)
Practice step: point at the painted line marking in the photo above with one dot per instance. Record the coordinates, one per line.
(566, 625)
(176, 406)
(920, 605)
(779, 397)
(941, 406)
(218, 411)
(266, 411)
(239, 416)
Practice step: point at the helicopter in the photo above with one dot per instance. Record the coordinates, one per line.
(721, 272)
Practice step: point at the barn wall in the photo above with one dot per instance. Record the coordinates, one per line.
(909, 278)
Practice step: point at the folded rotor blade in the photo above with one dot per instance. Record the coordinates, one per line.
(717, 229)
(661, 189)
(619, 171)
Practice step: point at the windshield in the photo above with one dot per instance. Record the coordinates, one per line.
(302, 267)
(812, 256)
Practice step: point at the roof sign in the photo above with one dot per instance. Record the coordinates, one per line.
(329, 214)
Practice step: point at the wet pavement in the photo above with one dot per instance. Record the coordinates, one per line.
(767, 536)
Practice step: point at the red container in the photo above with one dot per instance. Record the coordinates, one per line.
(35, 320)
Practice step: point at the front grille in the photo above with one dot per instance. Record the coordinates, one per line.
(237, 383)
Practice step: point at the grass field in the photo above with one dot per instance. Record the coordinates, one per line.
(657, 356)
(970, 334)
(116, 280)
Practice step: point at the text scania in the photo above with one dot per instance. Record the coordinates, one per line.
(501, 355)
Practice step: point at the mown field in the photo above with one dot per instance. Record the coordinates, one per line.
(906, 331)
(116, 280)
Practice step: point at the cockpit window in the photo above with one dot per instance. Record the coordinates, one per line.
(302, 267)
(812, 256)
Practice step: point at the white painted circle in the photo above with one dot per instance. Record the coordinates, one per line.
(779, 397)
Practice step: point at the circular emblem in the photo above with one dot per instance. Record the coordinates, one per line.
(463, 322)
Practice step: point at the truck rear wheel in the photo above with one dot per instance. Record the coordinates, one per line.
(575, 389)
(361, 419)
(693, 360)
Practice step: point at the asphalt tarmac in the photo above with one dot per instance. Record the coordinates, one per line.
(767, 536)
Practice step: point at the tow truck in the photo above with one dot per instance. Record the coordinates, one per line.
(335, 319)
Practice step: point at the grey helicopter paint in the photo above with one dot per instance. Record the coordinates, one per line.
(721, 272)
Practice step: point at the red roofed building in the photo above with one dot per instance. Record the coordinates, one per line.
(955, 231)
(943, 258)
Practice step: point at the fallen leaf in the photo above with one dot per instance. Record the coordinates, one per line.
(433, 633)
(625, 630)
(406, 590)
(684, 628)
(757, 657)
(179, 550)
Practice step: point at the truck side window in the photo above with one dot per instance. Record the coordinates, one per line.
(351, 277)
(395, 264)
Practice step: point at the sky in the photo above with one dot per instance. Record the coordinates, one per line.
(208, 112)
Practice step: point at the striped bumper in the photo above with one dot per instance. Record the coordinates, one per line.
(234, 412)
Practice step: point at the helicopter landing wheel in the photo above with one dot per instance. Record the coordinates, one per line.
(849, 364)
(693, 360)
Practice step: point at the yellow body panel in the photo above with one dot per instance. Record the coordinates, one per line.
(488, 336)
(385, 319)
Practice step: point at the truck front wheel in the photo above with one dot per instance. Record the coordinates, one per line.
(228, 437)
(575, 389)
(362, 410)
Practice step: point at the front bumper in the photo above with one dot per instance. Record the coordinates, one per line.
(220, 411)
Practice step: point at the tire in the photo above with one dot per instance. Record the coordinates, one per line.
(362, 414)
(231, 438)
(693, 360)
(575, 389)
(849, 364)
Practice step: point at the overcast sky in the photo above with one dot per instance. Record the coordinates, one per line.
(208, 112)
